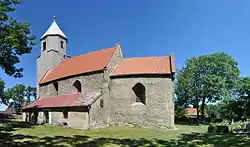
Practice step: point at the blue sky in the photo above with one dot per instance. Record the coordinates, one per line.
(186, 28)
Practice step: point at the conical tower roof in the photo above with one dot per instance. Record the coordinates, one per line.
(54, 29)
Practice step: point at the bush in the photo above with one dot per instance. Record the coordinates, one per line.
(237, 127)
(212, 128)
(223, 129)
(219, 129)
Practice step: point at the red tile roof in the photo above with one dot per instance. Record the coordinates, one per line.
(191, 111)
(145, 65)
(93, 61)
(70, 100)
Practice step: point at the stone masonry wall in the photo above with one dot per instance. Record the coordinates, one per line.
(89, 83)
(47, 90)
(78, 117)
(158, 111)
(114, 61)
(98, 114)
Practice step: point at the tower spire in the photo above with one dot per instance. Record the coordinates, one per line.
(54, 29)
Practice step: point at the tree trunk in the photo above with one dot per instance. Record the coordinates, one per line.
(202, 109)
(198, 115)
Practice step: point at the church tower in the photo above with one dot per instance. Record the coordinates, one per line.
(53, 50)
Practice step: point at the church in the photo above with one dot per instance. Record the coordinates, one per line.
(100, 88)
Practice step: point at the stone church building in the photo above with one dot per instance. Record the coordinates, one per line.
(100, 88)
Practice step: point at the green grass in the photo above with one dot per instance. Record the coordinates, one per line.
(22, 134)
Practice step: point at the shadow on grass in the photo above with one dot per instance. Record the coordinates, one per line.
(7, 138)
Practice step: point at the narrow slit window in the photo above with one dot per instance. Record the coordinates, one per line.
(56, 87)
(62, 44)
(44, 45)
(101, 103)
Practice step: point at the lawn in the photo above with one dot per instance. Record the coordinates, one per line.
(15, 133)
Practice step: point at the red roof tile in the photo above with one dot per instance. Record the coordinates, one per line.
(85, 63)
(70, 100)
(145, 65)
(191, 111)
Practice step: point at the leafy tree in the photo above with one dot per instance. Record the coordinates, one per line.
(207, 78)
(9, 95)
(19, 95)
(15, 96)
(2, 85)
(30, 92)
(186, 86)
(231, 110)
(240, 106)
(15, 39)
(244, 95)
(213, 112)
(180, 113)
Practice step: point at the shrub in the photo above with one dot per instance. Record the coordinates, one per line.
(219, 129)
(248, 127)
(236, 127)
(223, 129)
(211, 128)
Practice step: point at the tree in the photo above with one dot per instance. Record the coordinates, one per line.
(243, 98)
(207, 78)
(15, 39)
(17, 95)
(180, 113)
(9, 96)
(30, 92)
(186, 86)
(213, 112)
(2, 86)
(231, 110)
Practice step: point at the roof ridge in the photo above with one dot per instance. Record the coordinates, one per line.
(147, 57)
(89, 53)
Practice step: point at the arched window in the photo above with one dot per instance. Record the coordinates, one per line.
(77, 85)
(140, 93)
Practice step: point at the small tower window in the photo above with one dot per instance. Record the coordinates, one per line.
(101, 103)
(44, 45)
(62, 45)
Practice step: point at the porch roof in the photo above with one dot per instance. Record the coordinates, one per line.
(70, 100)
